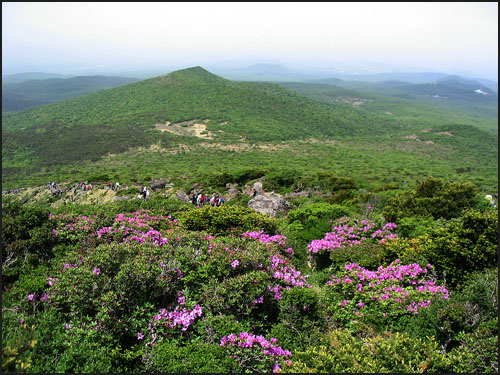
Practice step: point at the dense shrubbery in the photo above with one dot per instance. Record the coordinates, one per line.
(464, 245)
(432, 198)
(161, 287)
(394, 353)
(227, 219)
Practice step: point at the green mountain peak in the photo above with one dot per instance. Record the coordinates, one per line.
(193, 75)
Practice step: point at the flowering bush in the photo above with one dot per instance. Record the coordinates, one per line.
(138, 226)
(254, 352)
(377, 295)
(347, 232)
(249, 276)
(72, 230)
(165, 320)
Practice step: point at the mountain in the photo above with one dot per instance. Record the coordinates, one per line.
(192, 124)
(23, 95)
(115, 120)
(463, 96)
(21, 77)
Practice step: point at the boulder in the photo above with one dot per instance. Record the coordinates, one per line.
(181, 195)
(157, 185)
(258, 187)
(270, 204)
(231, 191)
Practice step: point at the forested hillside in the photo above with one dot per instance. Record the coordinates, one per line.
(31, 93)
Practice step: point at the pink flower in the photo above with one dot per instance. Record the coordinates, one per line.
(234, 263)
(140, 336)
(31, 297)
(96, 271)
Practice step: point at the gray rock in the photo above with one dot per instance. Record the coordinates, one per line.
(258, 187)
(181, 195)
(230, 186)
(271, 204)
(157, 185)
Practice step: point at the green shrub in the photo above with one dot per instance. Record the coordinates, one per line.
(465, 245)
(432, 198)
(196, 357)
(367, 255)
(411, 227)
(341, 352)
(310, 222)
(227, 219)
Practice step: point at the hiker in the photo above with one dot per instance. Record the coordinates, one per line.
(254, 192)
(146, 196)
(117, 185)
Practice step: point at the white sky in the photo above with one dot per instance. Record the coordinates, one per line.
(426, 36)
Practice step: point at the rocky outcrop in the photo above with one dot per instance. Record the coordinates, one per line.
(231, 191)
(258, 187)
(181, 195)
(160, 184)
(270, 204)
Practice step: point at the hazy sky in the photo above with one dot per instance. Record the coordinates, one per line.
(448, 37)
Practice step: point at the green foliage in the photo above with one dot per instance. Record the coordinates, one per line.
(464, 245)
(367, 255)
(323, 211)
(433, 197)
(169, 356)
(411, 227)
(396, 353)
(227, 219)
(310, 222)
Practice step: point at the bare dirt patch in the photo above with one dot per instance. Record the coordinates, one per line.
(411, 136)
(355, 102)
(191, 128)
(446, 133)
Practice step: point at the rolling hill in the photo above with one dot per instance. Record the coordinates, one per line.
(31, 93)
(193, 124)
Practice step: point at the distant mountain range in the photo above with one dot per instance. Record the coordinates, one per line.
(21, 95)
(280, 73)
(21, 77)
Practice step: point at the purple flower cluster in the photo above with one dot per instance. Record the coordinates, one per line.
(394, 289)
(137, 226)
(347, 232)
(68, 226)
(267, 239)
(248, 341)
(285, 273)
(176, 317)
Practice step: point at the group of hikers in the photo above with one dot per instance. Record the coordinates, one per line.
(54, 189)
(200, 200)
(15, 191)
(144, 193)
